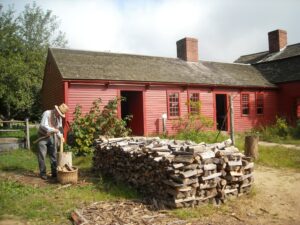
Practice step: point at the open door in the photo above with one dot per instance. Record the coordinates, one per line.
(133, 105)
(221, 112)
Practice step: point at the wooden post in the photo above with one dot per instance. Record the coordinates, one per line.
(251, 146)
(27, 134)
(231, 120)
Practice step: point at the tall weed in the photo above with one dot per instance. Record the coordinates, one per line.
(279, 131)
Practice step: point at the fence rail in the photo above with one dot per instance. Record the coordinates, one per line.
(26, 129)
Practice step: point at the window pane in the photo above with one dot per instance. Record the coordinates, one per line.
(245, 104)
(194, 103)
(174, 104)
(259, 103)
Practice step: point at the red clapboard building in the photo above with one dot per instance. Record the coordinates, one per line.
(262, 85)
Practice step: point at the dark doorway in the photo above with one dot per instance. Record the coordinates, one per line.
(221, 111)
(133, 105)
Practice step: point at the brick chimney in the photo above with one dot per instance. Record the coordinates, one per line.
(277, 40)
(187, 49)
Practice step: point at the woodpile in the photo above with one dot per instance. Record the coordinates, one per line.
(176, 173)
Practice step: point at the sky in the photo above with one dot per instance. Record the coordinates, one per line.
(225, 29)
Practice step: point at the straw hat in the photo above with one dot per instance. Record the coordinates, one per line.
(62, 109)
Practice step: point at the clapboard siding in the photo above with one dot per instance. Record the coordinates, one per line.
(156, 105)
(289, 94)
(85, 94)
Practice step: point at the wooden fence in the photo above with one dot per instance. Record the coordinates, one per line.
(25, 129)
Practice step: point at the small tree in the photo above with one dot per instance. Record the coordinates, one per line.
(24, 40)
(85, 128)
(193, 121)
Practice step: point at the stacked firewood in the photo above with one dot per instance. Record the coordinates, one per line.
(176, 173)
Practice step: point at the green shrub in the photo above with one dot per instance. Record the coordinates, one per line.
(296, 130)
(192, 122)
(196, 127)
(279, 131)
(85, 128)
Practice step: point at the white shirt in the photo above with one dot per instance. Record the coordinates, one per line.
(46, 123)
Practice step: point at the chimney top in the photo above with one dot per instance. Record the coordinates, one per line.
(277, 40)
(187, 49)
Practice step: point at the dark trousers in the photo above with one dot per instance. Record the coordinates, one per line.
(45, 146)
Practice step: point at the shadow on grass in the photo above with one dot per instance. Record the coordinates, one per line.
(109, 185)
(16, 169)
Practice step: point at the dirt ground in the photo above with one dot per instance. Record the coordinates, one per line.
(275, 200)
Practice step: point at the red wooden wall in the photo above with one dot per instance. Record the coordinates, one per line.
(155, 103)
(289, 94)
(85, 94)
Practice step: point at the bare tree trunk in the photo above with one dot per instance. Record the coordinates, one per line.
(251, 146)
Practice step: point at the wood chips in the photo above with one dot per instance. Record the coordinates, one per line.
(123, 213)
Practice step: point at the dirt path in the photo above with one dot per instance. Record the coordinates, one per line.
(270, 144)
(275, 200)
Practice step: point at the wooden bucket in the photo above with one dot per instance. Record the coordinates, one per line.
(66, 177)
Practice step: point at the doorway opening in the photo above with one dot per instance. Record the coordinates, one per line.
(133, 106)
(221, 112)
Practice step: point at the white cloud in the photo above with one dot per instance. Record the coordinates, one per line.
(225, 29)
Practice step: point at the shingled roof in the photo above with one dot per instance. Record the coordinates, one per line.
(287, 52)
(279, 71)
(88, 65)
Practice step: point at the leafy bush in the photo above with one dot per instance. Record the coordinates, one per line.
(85, 128)
(195, 127)
(296, 130)
(277, 132)
(192, 122)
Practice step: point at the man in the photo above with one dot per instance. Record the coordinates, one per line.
(51, 134)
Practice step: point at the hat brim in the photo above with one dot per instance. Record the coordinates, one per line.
(59, 112)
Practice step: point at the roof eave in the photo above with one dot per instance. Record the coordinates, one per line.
(158, 83)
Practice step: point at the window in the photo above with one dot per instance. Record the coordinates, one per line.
(173, 104)
(245, 104)
(259, 104)
(194, 106)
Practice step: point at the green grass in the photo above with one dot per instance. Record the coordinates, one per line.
(279, 157)
(198, 212)
(19, 133)
(48, 204)
(20, 160)
(13, 134)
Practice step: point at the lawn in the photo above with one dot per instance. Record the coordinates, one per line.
(49, 204)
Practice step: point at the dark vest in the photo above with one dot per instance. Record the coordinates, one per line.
(53, 122)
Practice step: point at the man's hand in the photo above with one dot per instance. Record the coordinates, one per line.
(62, 139)
(56, 131)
